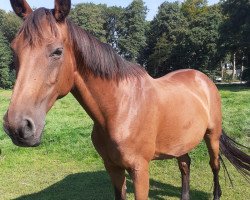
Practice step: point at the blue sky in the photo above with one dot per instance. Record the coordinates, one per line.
(151, 4)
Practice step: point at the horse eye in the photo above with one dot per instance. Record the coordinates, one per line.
(57, 53)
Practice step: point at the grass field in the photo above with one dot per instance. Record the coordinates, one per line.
(66, 166)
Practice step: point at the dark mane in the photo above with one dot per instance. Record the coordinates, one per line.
(100, 58)
(91, 54)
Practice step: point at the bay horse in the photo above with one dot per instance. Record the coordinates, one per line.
(136, 118)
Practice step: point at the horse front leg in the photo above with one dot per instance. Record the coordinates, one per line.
(184, 166)
(140, 178)
(116, 173)
(118, 179)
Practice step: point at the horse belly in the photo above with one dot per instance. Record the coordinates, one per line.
(181, 131)
(175, 144)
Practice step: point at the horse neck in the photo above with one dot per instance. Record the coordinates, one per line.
(101, 97)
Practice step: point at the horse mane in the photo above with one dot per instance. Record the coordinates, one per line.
(91, 54)
(100, 58)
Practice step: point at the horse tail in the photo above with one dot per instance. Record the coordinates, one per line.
(240, 160)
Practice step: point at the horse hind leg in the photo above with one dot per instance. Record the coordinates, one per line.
(184, 166)
(212, 139)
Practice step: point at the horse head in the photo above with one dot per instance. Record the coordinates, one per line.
(45, 66)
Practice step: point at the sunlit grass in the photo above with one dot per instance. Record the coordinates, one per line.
(66, 166)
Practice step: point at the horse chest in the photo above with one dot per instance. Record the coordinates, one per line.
(122, 150)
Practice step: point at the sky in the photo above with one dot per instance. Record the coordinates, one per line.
(152, 5)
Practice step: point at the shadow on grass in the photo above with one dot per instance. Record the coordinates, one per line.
(97, 186)
(233, 87)
(161, 191)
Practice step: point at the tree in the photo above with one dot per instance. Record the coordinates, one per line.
(91, 18)
(113, 25)
(183, 36)
(193, 8)
(237, 23)
(10, 25)
(235, 31)
(5, 60)
(203, 38)
(2, 13)
(157, 60)
(166, 31)
(132, 38)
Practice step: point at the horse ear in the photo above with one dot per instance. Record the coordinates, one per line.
(62, 8)
(21, 8)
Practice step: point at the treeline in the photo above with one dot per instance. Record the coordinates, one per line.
(9, 25)
(191, 34)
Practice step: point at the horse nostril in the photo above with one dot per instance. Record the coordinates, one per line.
(27, 129)
(29, 124)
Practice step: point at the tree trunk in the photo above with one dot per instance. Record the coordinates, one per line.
(234, 66)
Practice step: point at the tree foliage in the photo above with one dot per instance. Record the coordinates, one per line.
(10, 24)
(203, 39)
(183, 36)
(166, 31)
(235, 33)
(191, 34)
(132, 36)
(193, 8)
(114, 25)
(5, 61)
(90, 17)
(237, 23)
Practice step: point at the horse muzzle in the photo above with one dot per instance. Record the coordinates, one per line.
(22, 131)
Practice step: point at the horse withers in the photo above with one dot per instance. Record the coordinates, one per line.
(136, 118)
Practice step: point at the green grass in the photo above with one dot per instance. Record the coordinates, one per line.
(66, 166)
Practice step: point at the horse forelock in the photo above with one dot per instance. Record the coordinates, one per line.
(38, 26)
